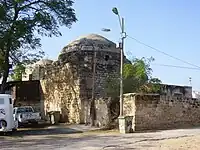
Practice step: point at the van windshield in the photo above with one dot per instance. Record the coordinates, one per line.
(24, 110)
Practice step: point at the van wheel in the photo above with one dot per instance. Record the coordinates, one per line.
(14, 130)
(7, 133)
(20, 124)
(34, 122)
(3, 123)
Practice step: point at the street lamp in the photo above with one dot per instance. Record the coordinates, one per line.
(123, 36)
(122, 121)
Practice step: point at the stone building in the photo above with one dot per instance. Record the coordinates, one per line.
(66, 84)
(35, 71)
(176, 91)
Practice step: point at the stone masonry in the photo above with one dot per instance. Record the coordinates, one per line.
(153, 111)
(67, 83)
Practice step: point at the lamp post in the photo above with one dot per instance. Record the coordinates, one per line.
(122, 119)
(123, 36)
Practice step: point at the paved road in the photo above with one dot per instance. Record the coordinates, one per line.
(78, 138)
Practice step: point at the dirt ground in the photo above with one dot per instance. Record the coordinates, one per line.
(80, 137)
(192, 143)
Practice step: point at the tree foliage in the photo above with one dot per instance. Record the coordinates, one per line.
(22, 22)
(18, 71)
(137, 77)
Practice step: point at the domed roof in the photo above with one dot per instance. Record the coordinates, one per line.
(43, 62)
(92, 39)
(89, 40)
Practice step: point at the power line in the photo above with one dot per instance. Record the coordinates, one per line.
(173, 66)
(166, 65)
(138, 41)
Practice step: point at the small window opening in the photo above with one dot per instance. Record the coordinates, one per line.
(30, 77)
(106, 57)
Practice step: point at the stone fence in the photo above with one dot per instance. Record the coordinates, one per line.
(153, 111)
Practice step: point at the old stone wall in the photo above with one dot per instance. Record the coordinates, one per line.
(67, 84)
(176, 91)
(60, 92)
(161, 112)
(106, 65)
(102, 116)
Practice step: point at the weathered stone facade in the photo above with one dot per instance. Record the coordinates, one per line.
(152, 111)
(176, 91)
(102, 113)
(67, 83)
(35, 71)
(66, 86)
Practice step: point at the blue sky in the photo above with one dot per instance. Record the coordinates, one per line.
(172, 26)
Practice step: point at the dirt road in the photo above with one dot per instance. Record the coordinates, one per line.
(78, 138)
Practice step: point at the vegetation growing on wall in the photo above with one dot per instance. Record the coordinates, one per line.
(137, 77)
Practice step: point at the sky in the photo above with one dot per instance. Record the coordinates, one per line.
(171, 26)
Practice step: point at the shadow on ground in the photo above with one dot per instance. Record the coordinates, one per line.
(42, 130)
(42, 125)
(46, 131)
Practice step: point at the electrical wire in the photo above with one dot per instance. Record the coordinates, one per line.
(155, 49)
(173, 66)
(166, 65)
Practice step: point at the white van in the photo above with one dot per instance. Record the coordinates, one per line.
(7, 121)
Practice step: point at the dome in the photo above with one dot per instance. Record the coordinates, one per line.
(44, 62)
(89, 40)
(92, 39)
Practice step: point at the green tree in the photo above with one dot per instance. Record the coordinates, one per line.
(136, 74)
(137, 77)
(19, 69)
(22, 22)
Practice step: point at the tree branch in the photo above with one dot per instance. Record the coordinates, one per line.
(32, 3)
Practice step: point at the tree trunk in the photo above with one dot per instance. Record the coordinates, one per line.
(5, 73)
(7, 51)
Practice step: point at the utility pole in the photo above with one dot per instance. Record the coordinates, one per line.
(123, 36)
(121, 70)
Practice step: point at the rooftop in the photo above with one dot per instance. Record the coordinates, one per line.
(88, 42)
